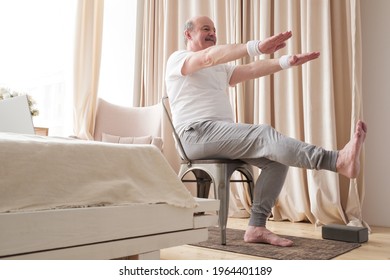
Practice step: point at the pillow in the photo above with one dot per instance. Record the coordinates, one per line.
(156, 141)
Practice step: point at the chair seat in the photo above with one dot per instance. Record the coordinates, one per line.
(216, 161)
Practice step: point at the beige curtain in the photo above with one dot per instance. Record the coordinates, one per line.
(330, 90)
(318, 103)
(86, 65)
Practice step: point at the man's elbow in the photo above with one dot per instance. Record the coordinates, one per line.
(208, 60)
(197, 62)
(232, 82)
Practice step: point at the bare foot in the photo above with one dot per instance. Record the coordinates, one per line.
(348, 161)
(262, 235)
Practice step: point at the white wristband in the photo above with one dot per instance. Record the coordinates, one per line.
(284, 61)
(252, 48)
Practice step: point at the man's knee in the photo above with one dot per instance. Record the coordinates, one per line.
(279, 168)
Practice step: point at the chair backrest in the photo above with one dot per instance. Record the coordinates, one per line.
(127, 121)
(179, 145)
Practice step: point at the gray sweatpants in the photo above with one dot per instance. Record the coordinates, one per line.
(258, 145)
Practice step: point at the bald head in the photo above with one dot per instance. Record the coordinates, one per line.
(199, 33)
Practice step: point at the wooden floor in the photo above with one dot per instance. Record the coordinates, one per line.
(377, 247)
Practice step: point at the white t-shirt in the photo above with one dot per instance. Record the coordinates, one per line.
(200, 96)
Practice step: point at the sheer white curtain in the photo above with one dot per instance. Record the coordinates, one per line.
(104, 58)
(36, 57)
(87, 65)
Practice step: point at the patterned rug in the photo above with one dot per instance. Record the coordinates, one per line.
(303, 248)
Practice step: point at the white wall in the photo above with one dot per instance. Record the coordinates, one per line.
(376, 107)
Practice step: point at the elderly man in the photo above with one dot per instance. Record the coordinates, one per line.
(197, 80)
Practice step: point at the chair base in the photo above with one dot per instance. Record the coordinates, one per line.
(218, 172)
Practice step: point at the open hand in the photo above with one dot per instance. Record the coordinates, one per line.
(299, 59)
(274, 43)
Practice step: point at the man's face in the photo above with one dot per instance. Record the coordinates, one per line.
(203, 34)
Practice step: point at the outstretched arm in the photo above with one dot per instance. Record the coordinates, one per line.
(266, 67)
(226, 53)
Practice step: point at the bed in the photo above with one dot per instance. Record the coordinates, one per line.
(63, 198)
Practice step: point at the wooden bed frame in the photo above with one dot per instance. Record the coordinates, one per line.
(134, 231)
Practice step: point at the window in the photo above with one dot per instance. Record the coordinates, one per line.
(118, 52)
(36, 54)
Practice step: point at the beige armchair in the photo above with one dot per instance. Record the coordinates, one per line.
(137, 125)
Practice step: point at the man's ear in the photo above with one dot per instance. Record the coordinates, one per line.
(187, 34)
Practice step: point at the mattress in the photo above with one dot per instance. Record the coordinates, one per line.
(40, 173)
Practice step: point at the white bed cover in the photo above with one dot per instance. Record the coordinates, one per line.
(40, 173)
